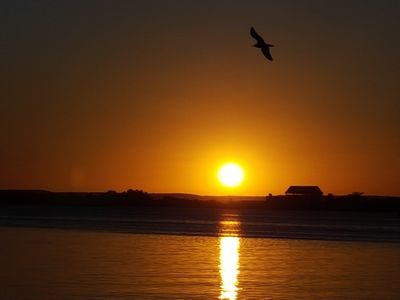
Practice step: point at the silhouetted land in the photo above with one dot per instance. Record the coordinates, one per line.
(139, 198)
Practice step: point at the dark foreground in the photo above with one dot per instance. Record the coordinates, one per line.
(139, 198)
(102, 246)
(145, 215)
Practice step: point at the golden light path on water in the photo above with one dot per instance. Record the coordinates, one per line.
(229, 243)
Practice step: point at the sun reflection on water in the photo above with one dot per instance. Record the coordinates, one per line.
(229, 244)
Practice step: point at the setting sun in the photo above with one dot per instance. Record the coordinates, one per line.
(231, 175)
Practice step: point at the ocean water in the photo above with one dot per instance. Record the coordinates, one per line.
(222, 256)
(203, 221)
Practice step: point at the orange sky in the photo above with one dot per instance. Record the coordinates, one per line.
(156, 95)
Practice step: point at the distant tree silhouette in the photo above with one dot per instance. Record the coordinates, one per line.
(356, 194)
(137, 195)
(330, 196)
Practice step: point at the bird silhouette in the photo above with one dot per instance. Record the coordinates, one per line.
(261, 44)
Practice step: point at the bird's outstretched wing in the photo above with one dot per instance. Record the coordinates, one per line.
(267, 53)
(255, 35)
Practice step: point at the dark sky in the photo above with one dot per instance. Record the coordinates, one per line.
(156, 95)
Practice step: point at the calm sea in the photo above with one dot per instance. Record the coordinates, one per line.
(190, 255)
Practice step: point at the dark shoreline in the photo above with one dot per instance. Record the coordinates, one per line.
(137, 212)
(138, 198)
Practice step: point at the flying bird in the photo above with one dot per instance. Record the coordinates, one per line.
(261, 44)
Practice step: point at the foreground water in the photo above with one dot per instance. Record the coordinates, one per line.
(84, 264)
(205, 221)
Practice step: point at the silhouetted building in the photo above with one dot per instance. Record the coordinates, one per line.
(300, 190)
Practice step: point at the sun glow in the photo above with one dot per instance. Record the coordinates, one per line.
(231, 175)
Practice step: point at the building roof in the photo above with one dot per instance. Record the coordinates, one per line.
(304, 190)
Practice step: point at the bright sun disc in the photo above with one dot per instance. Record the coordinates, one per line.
(230, 175)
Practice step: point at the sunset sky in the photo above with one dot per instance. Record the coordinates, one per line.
(157, 95)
